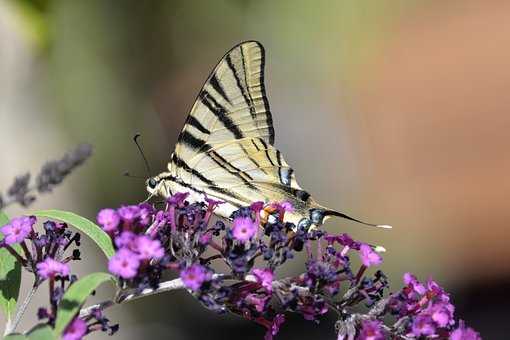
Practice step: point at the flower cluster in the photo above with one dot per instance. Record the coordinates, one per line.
(80, 327)
(420, 311)
(44, 255)
(41, 254)
(181, 237)
(139, 258)
(51, 174)
(425, 310)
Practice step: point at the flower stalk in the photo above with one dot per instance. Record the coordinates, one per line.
(11, 326)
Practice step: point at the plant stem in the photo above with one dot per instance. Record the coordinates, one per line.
(11, 326)
(162, 287)
(121, 298)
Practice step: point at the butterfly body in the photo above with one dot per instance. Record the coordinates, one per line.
(225, 150)
(304, 207)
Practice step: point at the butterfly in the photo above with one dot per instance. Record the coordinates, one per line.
(225, 150)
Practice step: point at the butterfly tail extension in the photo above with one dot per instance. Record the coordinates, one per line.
(319, 215)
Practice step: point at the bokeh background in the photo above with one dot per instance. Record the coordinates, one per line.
(393, 111)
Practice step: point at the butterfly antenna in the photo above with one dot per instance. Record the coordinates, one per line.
(135, 139)
(127, 174)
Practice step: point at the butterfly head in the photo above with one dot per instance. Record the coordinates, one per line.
(152, 184)
(162, 185)
(155, 186)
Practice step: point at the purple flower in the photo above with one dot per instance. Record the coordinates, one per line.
(441, 313)
(212, 203)
(434, 289)
(205, 239)
(124, 264)
(423, 325)
(109, 220)
(371, 330)
(274, 327)
(257, 301)
(193, 276)
(146, 211)
(264, 278)
(148, 248)
(178, 198)
(368, 256)
(411, 281)
(243, 229)
(464, 333)
(50, 268)
(76, 330)
(287, 206)
(18, 229)
(311, 307)
(257, 206)
(125, 240)
(129, 213)
(343, 239)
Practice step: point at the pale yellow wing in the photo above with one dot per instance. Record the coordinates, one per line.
(247, 170)
(225, 149)
(231, 105)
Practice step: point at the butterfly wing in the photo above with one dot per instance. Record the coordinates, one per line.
(247, 170)
(226, 146)
(231, 105)
(225, 149)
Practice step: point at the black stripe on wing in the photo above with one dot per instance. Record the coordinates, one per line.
(240, 86)
(221, 113)
(216, 85)
(269, 118)
(267, 151)
(251, 106)
(211, 185)
(231, 169)
(300, 194)
(184, 166)
(193, 142)
(251, 158)
(192, 121)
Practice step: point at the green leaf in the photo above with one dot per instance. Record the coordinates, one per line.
(75, 296)
(15, 337)
(89, 228)
(10, 276)
(41, 332)
(4, 219)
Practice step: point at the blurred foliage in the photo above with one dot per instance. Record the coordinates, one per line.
(36, 19)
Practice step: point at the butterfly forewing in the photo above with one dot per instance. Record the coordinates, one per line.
(231, 105)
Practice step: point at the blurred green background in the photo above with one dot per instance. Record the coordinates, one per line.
(393, 111)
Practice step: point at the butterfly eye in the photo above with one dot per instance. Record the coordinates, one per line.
(152, 183)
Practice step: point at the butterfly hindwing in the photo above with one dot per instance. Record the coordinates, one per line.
(247, 170)
(248, 160)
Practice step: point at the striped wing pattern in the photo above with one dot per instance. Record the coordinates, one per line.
(251, 170)
(226, 147)
(231, 105)
(226, 151)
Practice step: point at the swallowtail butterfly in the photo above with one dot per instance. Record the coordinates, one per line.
(225, 150)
